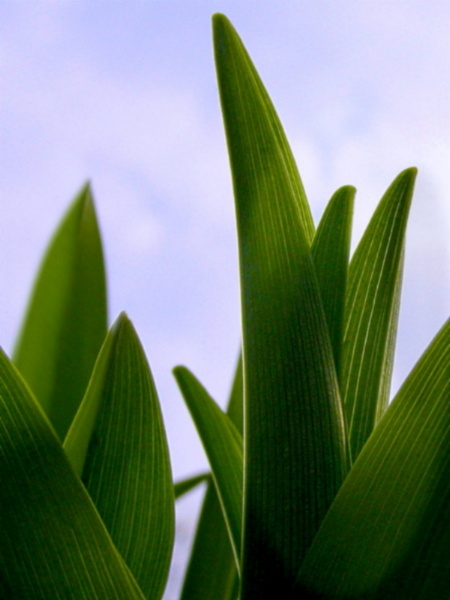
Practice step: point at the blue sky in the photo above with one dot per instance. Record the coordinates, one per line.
(124, 94)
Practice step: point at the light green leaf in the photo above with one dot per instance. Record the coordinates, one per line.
(330, 251)
(295, 444)
(212, 572)
(186, 485)
(255, 126)
(65, 323)
(371, 312)
(53, 544)
(118, 442)
(387, 535)
(223, 446)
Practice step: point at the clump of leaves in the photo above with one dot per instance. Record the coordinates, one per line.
(319, 488)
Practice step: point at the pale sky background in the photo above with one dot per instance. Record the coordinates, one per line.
(124, 94)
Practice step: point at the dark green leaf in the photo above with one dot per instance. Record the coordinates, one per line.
(186, 485)
(65, 324)
(387, 535)
(330, 252)
(223, 446)
(295, 444)
(371, 312)
(118, 442)
(212, 572)
(53, 544)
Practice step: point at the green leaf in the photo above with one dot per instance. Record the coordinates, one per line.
(53, 544)
(118, 443)
(186, 485)
(254, 126)
(212, 572)
(295, 444)
(371, 312)
(65, 324)
(387, 535)
(330, 251)
(223, 446)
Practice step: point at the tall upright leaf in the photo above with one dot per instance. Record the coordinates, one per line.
(254, 119)
(118, 443)
(387, 535)
(65, 324)
(52, 542)
(212, 572)
(330, 251)
(371, 312)
(295, 445)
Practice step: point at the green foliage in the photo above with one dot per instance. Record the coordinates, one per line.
(66, 316)
(319, 487)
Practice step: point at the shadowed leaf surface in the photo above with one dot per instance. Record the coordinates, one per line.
(212, 572)
(223, 446)
(184, 486)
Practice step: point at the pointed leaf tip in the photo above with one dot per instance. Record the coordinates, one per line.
(371, 312)
(119, 444)
(66, 317)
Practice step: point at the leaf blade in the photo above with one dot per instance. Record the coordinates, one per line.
(65, 323)
(52, 542)
(186, 485)
(211, 573)
(223, 446)
(330, 252)
(269, 126)
(286, 349)
(371, 312)
(124, 457)
(386, 534)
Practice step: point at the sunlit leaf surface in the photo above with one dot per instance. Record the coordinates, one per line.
(387, 535)
(118, 444)
(295, 445)
(53, 544)
(65, 323)
(330, 251)
(371, 312)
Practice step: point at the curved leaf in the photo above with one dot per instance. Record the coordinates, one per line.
(295, 444)
(371, 312)
(252, 124)
(330, 251)
(223, 446)
(118, 443)
(386, 536)
(53, 544)
(212, 572)
(65, 324)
